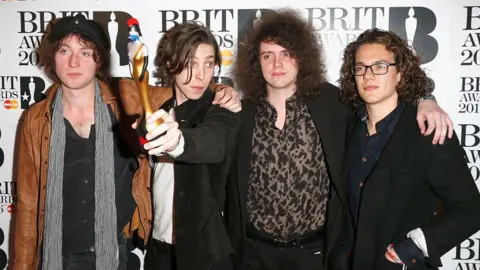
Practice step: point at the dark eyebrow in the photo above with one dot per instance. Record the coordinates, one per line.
(376, 62)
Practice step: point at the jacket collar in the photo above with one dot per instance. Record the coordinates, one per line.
(107, 97)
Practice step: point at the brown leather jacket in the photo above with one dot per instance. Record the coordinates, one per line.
(33, 151)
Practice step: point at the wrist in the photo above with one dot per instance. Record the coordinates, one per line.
(427, 97)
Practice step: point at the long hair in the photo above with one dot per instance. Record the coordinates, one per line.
(413, 84)
(286, 28)
(101, 56)
(177, 48)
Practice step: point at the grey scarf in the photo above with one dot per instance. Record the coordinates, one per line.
(106, 244)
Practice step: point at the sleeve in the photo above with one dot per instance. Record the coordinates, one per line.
(408, 252)
(207, 142)
(451, 181)
(27, 205)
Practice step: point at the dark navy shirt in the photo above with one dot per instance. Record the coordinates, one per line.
(366, 151)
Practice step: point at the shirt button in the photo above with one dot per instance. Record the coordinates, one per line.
(361, 184)
(86, 181)
(414, 261)
(84, 221)
(84, 201)
(364, 159)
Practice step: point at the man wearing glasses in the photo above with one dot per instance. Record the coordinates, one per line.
(395, 177)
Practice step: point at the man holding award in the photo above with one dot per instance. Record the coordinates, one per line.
(190, 142)
(75, 171)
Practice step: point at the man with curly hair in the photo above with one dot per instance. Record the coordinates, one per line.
(286, 201)
(395, 175)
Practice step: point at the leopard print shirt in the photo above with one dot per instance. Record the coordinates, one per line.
(288, 180)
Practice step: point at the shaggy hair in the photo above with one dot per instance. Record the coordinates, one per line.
(288, 29)
(177, 48)
(414, 82)
(100, 55)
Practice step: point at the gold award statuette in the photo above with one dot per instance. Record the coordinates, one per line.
(142, 86)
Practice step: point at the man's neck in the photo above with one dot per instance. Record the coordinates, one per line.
(277, 97)
(79, 99)
(376, 112)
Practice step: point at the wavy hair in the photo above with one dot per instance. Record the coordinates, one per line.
(101, 56)
(414, 82)
(286, 28)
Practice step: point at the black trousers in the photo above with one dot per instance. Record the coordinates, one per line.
(263, 256)
(161, 255)
(85, 260)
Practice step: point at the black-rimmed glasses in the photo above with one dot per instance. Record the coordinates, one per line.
(377, 69)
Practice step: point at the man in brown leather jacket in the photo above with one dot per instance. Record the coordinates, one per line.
(73, 159)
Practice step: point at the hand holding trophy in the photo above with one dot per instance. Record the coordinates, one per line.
(138, 57)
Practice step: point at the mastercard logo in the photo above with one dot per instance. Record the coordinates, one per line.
(227, 58)
(11, 208)
(10, 104)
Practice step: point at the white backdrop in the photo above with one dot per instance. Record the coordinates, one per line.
(446, 33)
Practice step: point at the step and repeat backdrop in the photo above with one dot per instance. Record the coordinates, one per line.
(446, 33)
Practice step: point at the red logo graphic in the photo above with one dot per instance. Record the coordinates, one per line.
(10, 104)
(11, 208)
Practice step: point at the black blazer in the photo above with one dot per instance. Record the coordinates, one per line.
(404, 191)
(201, 238)
(330, 118)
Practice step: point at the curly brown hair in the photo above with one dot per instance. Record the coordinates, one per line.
(287, 28)
(178, 47)
(413, 84)
(101, 56)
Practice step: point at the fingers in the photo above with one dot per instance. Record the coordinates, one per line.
(421, 123)
(450, 126)
(219, 94)
(233, 105)
(160, 114)
(134, 125)
(444, 129)
(165, 127)
(229, 99)
(387, 256)
(229, 94)
(164, 143)
(430, 124)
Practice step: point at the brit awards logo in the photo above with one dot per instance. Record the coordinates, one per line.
(3, 254)
(34, 27)
(415, 24)
(115, 25)
(248, 19)
(32, 90)
(469, 102)
(21, 91)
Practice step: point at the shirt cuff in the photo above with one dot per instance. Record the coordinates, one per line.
(409, 253)
(179, 149)
(419, 239)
